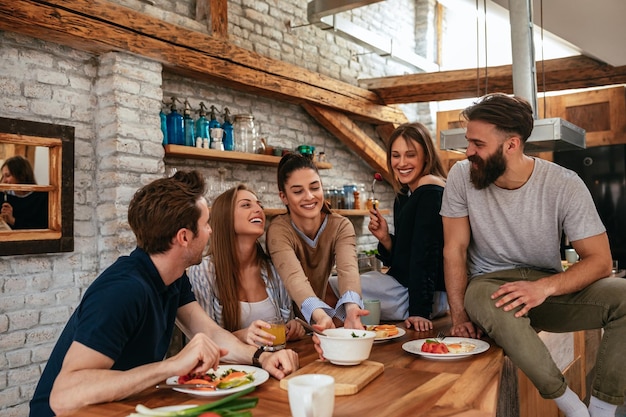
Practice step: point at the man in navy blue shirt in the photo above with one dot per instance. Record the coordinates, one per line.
(115, 342)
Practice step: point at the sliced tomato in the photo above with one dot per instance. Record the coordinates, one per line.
(441, 348)
(209, 414)
(431, 346)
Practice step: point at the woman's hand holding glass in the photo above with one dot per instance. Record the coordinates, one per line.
(257, 335)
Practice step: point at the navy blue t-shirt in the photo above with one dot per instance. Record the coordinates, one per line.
(127, 314)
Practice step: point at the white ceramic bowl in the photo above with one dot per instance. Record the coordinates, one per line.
(346, 346)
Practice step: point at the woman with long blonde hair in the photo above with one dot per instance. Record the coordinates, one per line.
(236, 284)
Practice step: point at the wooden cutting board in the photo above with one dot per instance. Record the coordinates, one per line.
(348, 379)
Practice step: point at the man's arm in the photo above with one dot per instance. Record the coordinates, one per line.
(86, 376)
(595, 263)
(456, 238)
(193, 320)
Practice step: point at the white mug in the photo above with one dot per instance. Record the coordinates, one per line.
(571, 256)
(373, 318)
(311, 395)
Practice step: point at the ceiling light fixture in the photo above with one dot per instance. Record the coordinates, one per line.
(549, 134)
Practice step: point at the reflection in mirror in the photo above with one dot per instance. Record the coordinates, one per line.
(36, 187)
(28, 165)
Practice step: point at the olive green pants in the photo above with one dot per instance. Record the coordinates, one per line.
(600, 305)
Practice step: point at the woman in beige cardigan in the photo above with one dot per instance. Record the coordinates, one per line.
(307, 242)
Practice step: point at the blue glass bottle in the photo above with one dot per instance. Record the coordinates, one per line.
(229, 140)
(213, 123)
(163, 118)
(202, 126)
(175, 125)
(189, 128)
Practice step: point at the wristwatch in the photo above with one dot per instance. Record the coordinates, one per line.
(257, 355)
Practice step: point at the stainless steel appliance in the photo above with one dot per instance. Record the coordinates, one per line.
(603, 169)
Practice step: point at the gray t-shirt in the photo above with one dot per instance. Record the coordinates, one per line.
(522, 227)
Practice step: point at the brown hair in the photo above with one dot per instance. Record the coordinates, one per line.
(416, 132)
(510, 115)
(223, 250)
(20, 168)
(293, 162)
(160, 209)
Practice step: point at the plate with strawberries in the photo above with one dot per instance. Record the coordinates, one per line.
(225, 380)
(449, 348)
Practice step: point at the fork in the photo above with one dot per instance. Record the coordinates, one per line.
(441, 335)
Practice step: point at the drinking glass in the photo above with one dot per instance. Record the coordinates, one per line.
(279, 330)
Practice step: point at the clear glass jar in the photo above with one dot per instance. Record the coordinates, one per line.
(245, 136)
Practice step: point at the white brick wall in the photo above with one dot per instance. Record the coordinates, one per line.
(113, 102)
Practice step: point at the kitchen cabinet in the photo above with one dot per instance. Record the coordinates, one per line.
(189, 152)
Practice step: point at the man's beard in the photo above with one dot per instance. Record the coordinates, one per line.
(487, 171)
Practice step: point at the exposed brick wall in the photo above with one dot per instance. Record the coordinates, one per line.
(113, 102)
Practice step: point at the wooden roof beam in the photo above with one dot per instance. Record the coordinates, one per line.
(100, 26)
(352, 136)
(560, 74)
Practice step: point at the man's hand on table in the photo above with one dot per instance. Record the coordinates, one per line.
(463, 327)
(280, 364)
(420, 324)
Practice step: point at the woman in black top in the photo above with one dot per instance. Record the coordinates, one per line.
(414, 252)
(22, 209)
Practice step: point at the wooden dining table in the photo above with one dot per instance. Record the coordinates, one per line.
(410, 385)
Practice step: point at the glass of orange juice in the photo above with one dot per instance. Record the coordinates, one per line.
(279, 330)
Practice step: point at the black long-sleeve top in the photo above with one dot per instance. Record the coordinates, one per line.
(416, 258)
(30, 212)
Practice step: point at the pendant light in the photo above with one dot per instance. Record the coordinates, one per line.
(549, 134)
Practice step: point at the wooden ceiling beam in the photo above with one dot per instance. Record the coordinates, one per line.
(101, 26)
(352, 136)
(552, 75)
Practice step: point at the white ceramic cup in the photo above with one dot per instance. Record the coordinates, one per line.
(373, 318)
(311, 395)
(571, 256)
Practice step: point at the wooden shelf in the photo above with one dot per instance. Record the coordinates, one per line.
(189, 152)
(348, 213)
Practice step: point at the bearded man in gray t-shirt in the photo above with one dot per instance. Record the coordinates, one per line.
(504, 214)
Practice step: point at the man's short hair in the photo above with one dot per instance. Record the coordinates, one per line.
(510, 115)
(160, 209)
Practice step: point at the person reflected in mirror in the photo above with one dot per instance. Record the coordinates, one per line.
(504, 213)
(237, 284)
(22, 209)
(305, 244)
(413, 289)
(115, 342)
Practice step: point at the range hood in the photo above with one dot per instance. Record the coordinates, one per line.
(549, 135)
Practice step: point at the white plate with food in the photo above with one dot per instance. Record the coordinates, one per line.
(385, 332)
(226, 380)
(457, 347)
